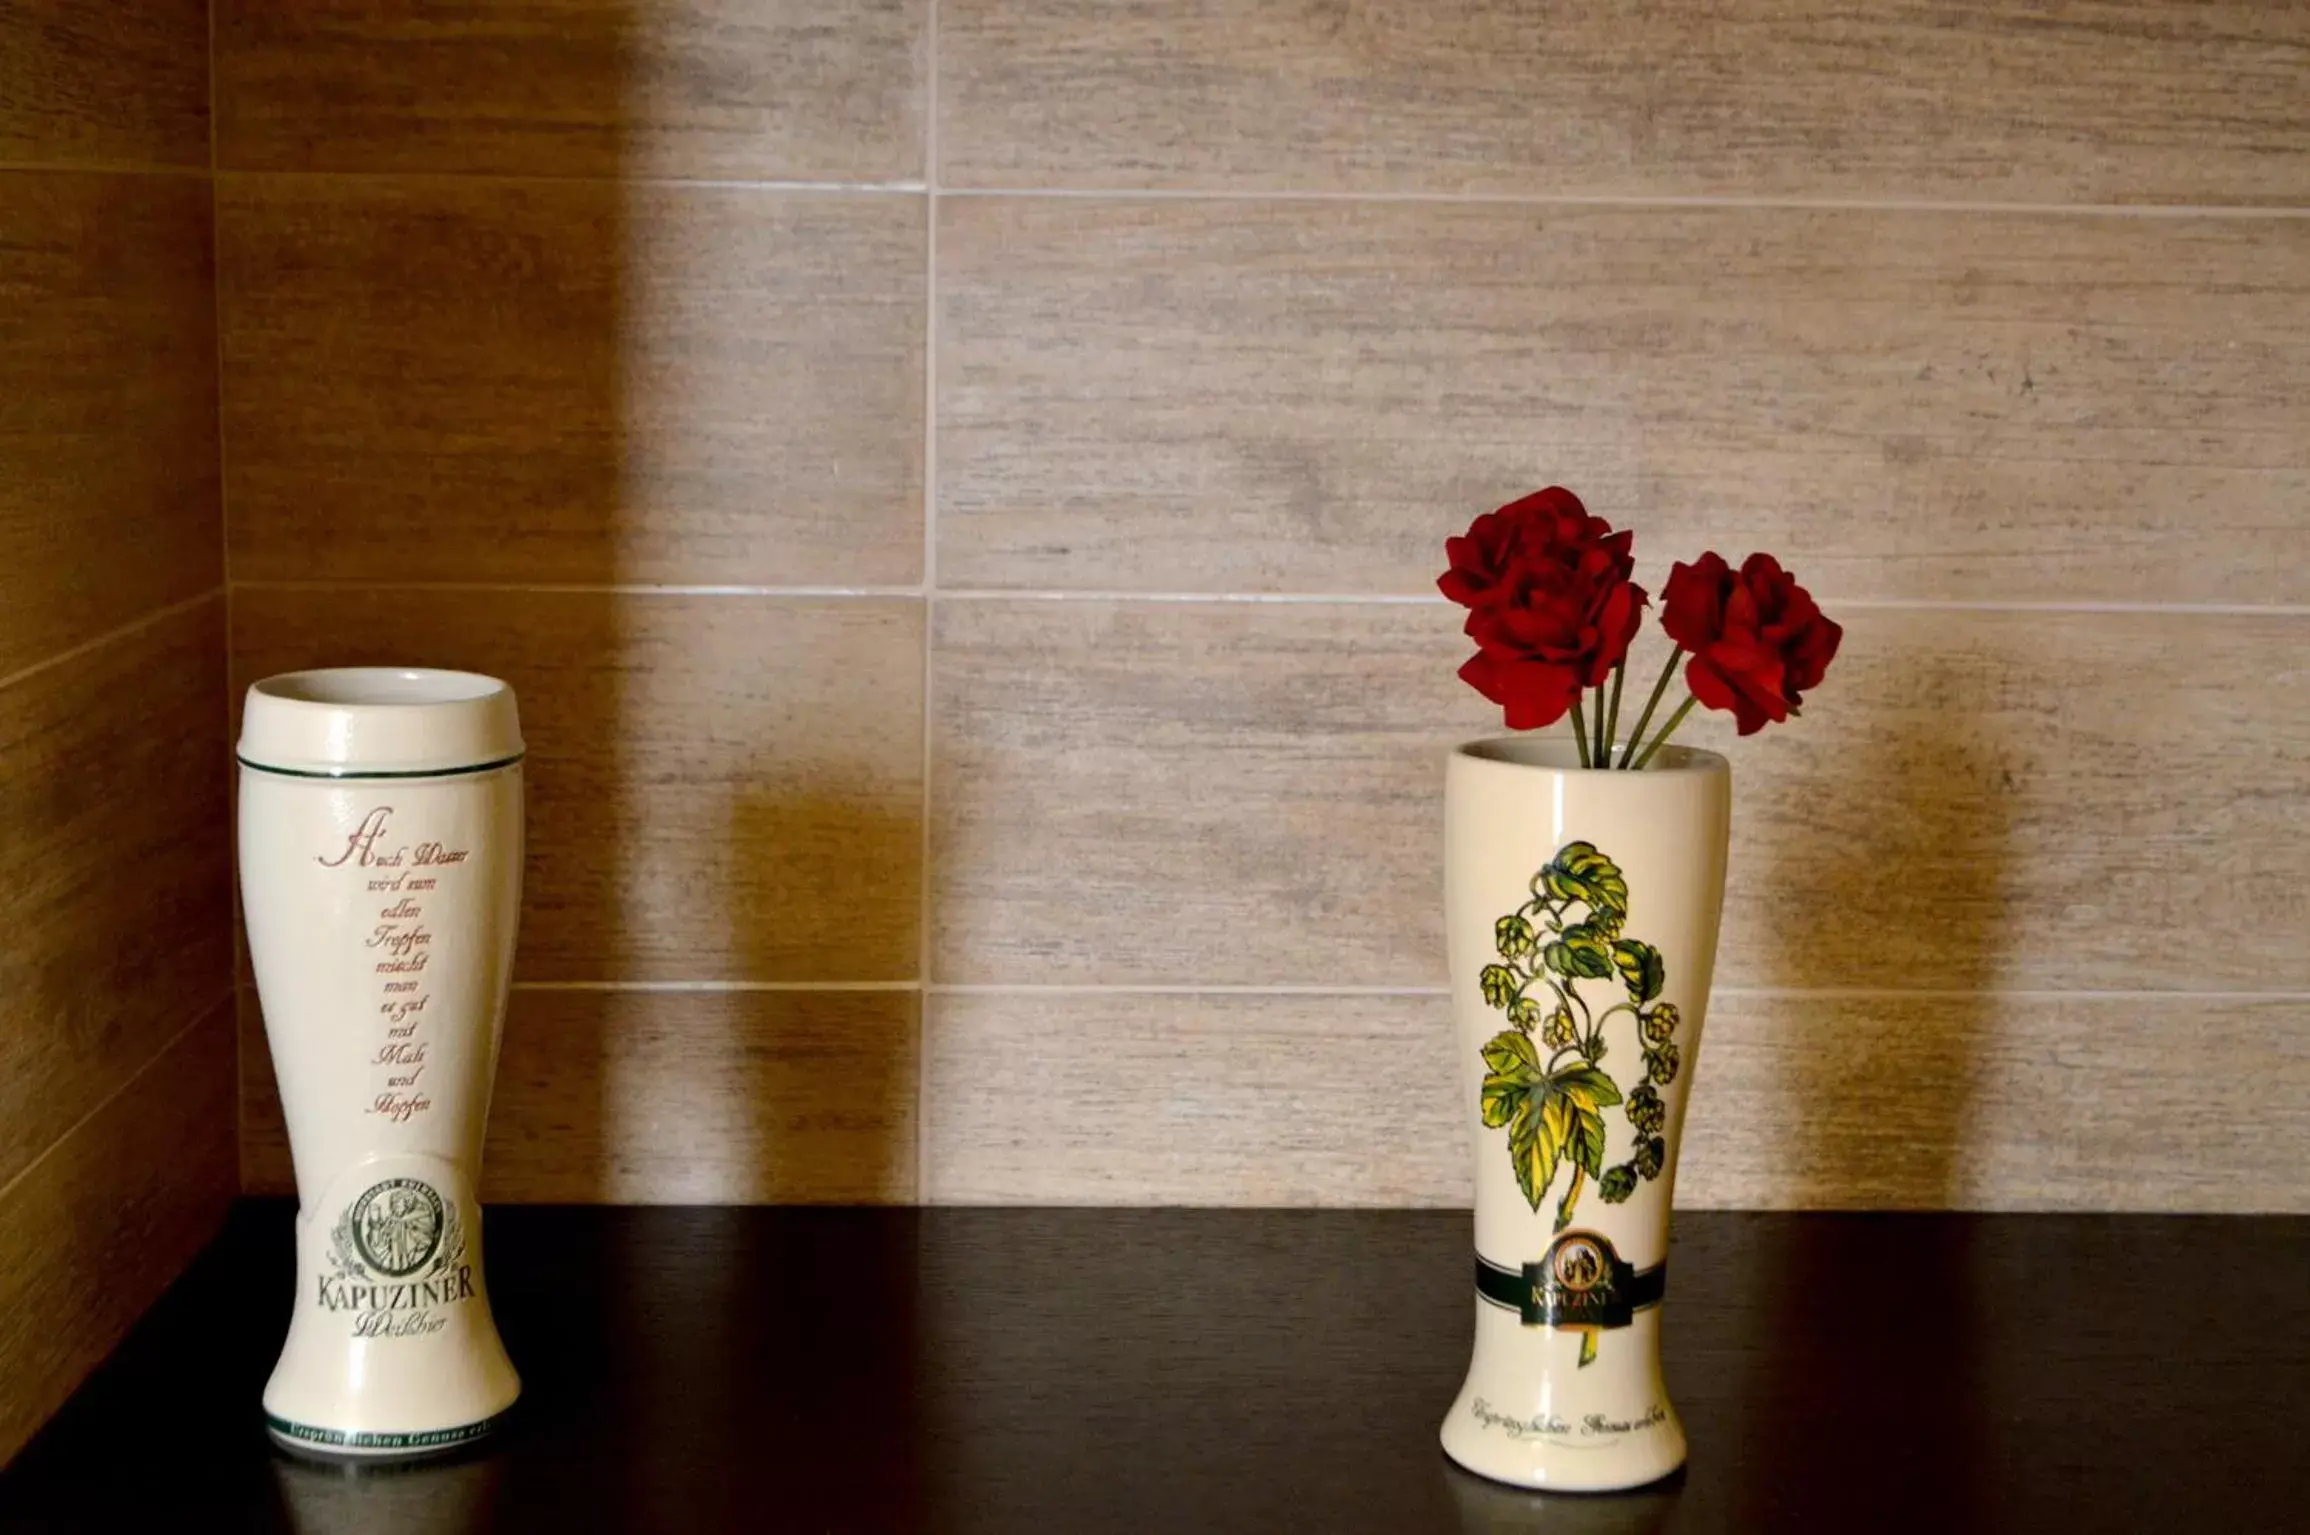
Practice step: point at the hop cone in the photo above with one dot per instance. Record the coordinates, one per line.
(1660, 1064)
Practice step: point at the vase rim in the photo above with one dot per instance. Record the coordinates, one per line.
(1557, 754)
(370, 721)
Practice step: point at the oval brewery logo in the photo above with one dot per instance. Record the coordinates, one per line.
(1580, 1263)
(397, 1226)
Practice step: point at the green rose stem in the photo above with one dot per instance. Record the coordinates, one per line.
(1651, 704)
(1612, 720)
(1580, 732)
(1667, 730)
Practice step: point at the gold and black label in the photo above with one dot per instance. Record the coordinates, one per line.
(1581, 1282)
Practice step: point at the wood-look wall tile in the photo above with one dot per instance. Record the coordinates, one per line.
(759, 1097)
(723, 788)
(1294, 396)
(2030, 800)
(104, 85)
(1982, 1102)
(444, 380)
(1252, 794)
(1116, 1098)
(2125, 101)
(2000, 1103)
(100, 1226)
(1191, 792)
(813, 90)
(116, 863)
(108, 368)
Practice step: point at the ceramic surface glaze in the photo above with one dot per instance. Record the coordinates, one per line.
(1581, 915)
(380, 864)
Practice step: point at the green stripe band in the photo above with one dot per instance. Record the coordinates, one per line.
(352, 776)
(357, 1439)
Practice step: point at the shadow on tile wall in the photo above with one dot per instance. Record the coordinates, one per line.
(1886, 1127)
(502, 397)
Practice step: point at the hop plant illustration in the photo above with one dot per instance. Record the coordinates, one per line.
(1544, 1081)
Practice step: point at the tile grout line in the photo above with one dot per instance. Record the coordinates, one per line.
(133, 627)
(713, 987)
(2017, 994)
(1645, 200)
(230, 808)
(900, 188)
(583, 588)
(1313, 989)
(100, 168)
(203, 1015)
(1175, 989)
(930, 592)
(2240, 211)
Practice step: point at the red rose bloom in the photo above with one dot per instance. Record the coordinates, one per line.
(1483, 559)
(1757, 639)
(1551, 606)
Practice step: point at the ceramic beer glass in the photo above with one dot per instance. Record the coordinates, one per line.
(380, 872)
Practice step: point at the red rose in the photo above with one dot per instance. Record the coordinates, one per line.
(1757, 639)
(1551, 608)
(1496, 542)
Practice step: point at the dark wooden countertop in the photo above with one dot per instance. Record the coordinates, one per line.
(1063, 1371)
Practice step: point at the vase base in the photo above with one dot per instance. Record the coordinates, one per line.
(1568, 1484)
(1540, 1473)
(342, 1446)
(1561, 1457)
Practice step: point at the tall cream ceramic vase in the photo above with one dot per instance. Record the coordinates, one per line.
(1581, 909)
(380, 863)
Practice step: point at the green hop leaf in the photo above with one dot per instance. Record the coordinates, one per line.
(1640, 966)
(1514, 936)
(1660, 1064)
(1501, 1100)
(1585, 959)
(1660, 1023)
(1524, 1013)
(1510, 1054)
(1645, 1110)
(1499, 984)
(1534, 1146)
(1616, 1185)
(1580, 873)
(1512, 1066)
(1559, 1031)
(1651, 1152)
(1595, 1050)
(1585, 1086)
(1588, 1141)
